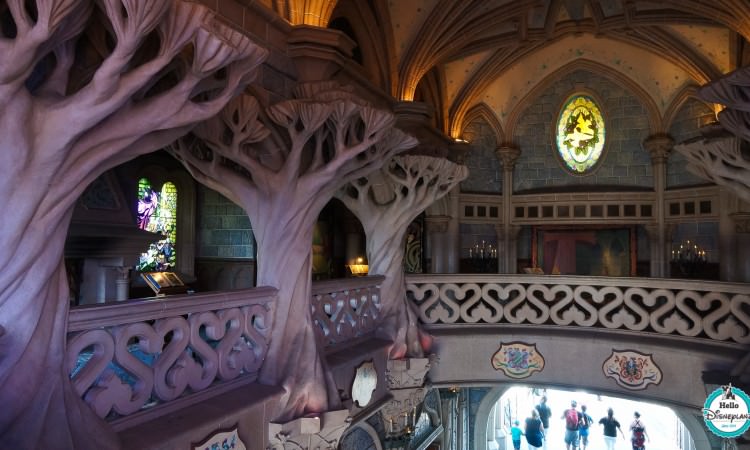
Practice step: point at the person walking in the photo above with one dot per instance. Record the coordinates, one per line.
(544, 414)
(516, 433)
(638, 433)
(571, 426)
(534, 431)
(584, 422)
(611, 427)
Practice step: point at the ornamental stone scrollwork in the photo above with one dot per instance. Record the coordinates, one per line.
(322, 431)
(575, 302)
(407, 372)
(659, 146)
(406, 382)
(400, 414)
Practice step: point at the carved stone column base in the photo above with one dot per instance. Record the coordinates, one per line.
(321, 431)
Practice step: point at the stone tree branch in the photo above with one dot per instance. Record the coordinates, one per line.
(84, 86)
(282, 164)
(719, 159)
(386, 202)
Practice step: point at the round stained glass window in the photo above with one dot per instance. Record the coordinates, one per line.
(580, 134)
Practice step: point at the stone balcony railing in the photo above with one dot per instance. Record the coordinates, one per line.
(134, 360)
(700, 309)
(345, 308)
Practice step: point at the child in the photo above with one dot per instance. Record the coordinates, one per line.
(516, 433)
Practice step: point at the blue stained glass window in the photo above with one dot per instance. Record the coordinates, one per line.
(157, 213)
(580, 134)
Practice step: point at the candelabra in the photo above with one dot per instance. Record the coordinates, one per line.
(400, 429)
(482, 257)
(688, 258)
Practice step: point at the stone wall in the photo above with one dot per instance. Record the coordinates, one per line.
(625, 163)
(224, 229)
(686, 125)
(485, 170)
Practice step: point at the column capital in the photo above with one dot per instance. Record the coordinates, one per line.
(659, 146)
(437, 224)
(741, 222)
(508, 156)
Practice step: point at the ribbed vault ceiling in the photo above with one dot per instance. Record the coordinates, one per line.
(495, 52)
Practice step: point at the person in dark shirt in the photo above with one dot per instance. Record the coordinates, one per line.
(544, 412)
(611, 426)
(534, 431)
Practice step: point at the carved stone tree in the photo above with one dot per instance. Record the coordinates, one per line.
(386, 202)
(83, 89)
(719, 157)
(282, 165)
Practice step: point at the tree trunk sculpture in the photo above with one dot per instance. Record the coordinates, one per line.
(719, 158)
(386, 202)
(282, 168)
(74, 103)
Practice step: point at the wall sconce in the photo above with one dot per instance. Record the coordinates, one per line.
(360, 268)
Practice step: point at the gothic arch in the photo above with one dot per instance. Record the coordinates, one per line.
(654, 118)
(482, 111)
(687, 93)
(366, 25)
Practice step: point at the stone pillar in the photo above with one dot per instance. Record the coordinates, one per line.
(741, 272)
(458, 152)
(437, 227)
(508, 157)
(659, 146)
(453, 237)
(490, 434)
(122, 283)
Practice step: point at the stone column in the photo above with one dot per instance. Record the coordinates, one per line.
(122, 283)
(741, 272)
(458, 151)
(508, 157)
(437, 227)
(659, 146)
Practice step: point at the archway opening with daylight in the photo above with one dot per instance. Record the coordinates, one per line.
(664, 428)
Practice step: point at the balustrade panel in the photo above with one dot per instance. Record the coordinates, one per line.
(713, 310)
(345, 308)
(127, 357)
